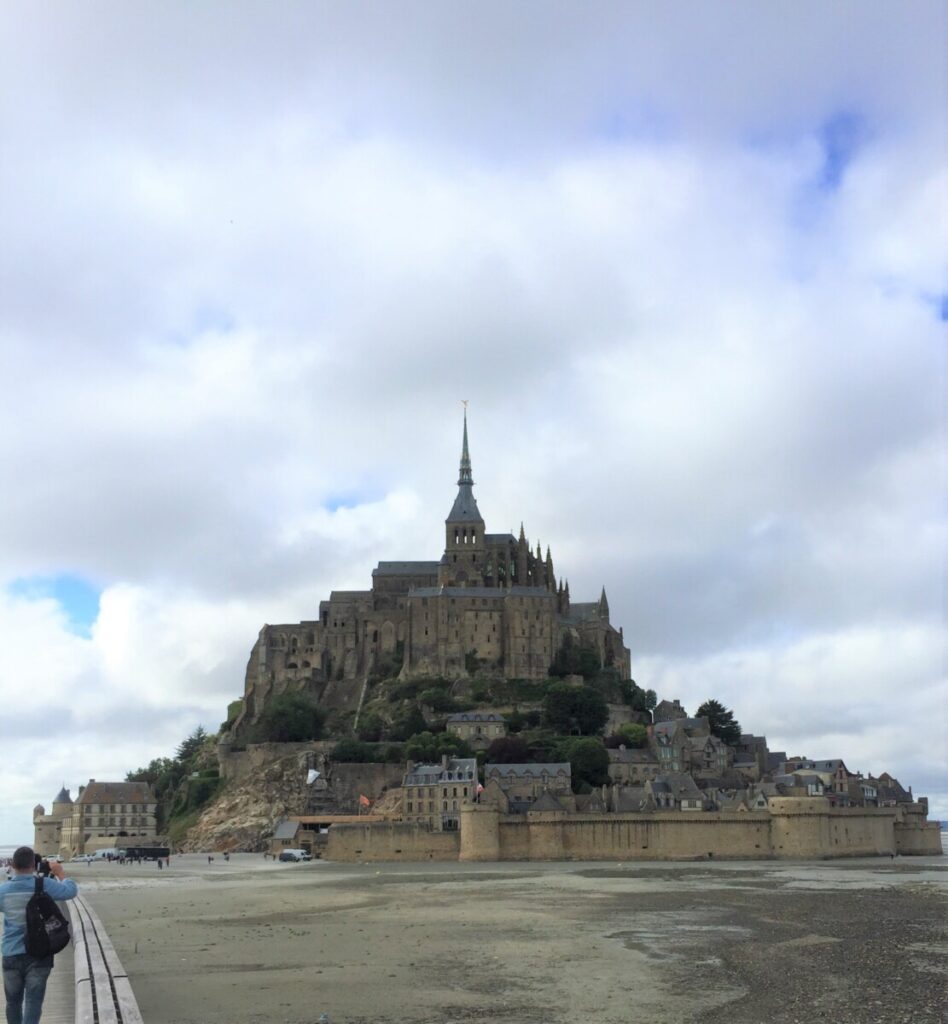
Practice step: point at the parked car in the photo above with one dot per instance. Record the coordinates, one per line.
(295, 855)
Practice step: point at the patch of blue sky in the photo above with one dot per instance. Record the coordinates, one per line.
(78, 598)
(350, 499)
(841, 137)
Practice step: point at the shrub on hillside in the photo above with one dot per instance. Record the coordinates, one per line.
(290, 718)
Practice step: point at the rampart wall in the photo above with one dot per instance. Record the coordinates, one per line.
(806, 828)
(916, 835)
(390, 841)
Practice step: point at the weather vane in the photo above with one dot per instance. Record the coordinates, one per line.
(464, 402)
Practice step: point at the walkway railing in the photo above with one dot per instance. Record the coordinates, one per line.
(103, 992)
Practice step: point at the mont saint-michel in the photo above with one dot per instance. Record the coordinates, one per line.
(467, 708)
(489, 605)
(466, 711)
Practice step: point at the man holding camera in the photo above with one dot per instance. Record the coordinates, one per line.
(25, 976)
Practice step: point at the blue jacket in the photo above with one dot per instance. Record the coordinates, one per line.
(14, 896)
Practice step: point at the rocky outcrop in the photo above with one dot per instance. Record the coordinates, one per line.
(248, 809)
(245, 813)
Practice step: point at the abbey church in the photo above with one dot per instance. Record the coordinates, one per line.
(489, 605)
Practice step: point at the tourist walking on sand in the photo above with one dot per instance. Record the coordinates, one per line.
(25, 976)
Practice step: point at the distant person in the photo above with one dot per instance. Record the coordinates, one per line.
(25, 976)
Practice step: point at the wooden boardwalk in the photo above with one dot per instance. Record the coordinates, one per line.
(59, 1006)
(89, 984)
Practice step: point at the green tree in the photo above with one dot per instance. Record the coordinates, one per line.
(291, 718)
(722, 721)
(351, 751)
(589, 762)
(406, 724)
(508, 750)
(162, 774)
(633, 734)
(370, 727)
(429, 747)
(437, 699)
(189, 747)
(574, 709)
(547, 749)
(575, 659)
(637, 698)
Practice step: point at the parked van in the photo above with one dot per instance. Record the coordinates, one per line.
(295, 855)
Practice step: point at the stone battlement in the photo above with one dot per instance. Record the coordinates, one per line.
(794, 828)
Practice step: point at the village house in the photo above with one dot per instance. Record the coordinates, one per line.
(477, 728)
(434, 793)
(629, 766)
(675, 791)
(668, 711)
(522, 784)
(105, 814)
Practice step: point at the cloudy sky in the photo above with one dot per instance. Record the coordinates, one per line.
(685, 261)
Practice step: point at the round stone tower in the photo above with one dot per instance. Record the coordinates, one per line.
(480, 833)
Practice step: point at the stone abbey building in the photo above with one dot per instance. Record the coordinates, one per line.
(490, 604)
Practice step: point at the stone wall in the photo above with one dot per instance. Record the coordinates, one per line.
(238, 764)
(678, 836)
(915, 835)
(807, 827)
(390, 841)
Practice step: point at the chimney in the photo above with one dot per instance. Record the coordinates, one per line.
(444, 762)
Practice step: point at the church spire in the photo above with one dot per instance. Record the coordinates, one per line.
(464, 474)
(464, 510)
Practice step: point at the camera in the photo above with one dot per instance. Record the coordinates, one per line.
(42, 866)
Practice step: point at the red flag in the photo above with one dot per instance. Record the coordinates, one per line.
(364, 801)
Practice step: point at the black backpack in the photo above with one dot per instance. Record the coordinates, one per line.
(47, 930)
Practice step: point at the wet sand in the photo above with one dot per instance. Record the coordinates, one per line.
(855, 942)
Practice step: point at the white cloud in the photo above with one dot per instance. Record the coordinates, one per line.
(240, 311)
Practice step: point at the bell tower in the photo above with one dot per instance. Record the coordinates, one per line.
(465, 553)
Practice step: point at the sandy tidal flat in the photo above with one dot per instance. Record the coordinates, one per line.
(859, 942)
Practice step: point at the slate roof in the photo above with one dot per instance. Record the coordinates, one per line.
(499, 538)
(527, 771)
(630, 798)
(464, 509)
(286, 830)
(535, 592)
(406, 569)
(634, 755)
(681, 784)
(582, 611)
(116, 793)
(590, 803)
(828, 766)
(546, 802)
(459, 769)
(62, 797)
